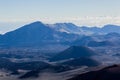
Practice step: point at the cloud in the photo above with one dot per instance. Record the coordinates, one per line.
(99, 21)
(86, 20)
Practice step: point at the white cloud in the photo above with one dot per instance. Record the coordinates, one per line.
(8, 25)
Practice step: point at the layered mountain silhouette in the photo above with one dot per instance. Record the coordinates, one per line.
(108, 73)
(34, 34)
(104, 30)
(78, 39)
(38, 34)
(73, 52)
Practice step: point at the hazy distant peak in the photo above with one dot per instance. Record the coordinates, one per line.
(64, 24)
(36, 23)
(110, 25)
(74, 52)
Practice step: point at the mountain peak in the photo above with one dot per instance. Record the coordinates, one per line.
(73, 52)
(37, 22)
(37, 25)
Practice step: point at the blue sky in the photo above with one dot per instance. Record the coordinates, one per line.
(80, 12)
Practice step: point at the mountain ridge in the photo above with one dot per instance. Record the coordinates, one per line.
(40, 34)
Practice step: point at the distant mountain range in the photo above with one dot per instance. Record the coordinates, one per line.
(82, 48)
(104, 30)
(72, 28)
(38, 34)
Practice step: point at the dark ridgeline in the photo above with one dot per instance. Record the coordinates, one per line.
(108, 73)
